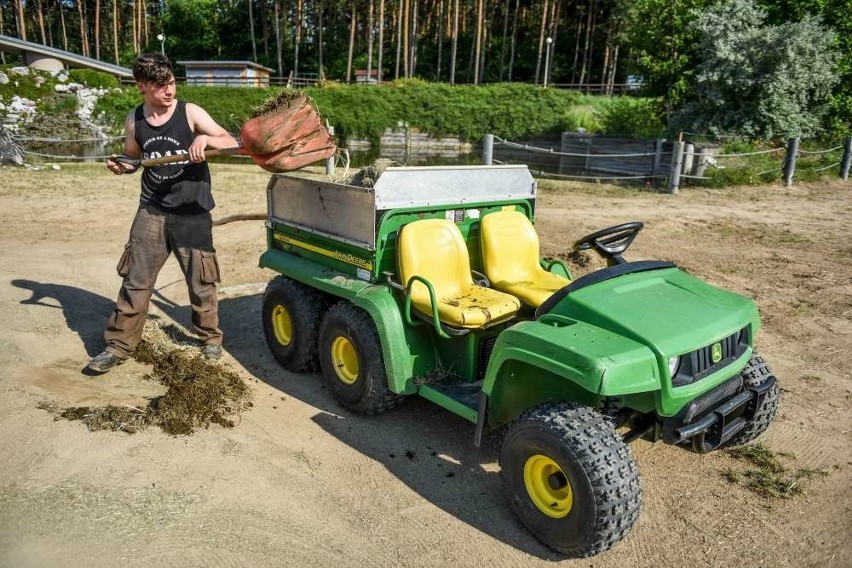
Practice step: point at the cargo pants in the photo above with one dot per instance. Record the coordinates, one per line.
(153, 236)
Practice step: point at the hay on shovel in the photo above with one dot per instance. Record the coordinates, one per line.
(198, 392)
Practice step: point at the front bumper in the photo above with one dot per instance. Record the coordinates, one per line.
(717, 416)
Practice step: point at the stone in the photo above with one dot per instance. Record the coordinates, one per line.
(3, 78)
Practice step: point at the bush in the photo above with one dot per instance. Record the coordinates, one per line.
(93, 79)
(632, 118)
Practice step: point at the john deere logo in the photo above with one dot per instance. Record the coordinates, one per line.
(716, 352)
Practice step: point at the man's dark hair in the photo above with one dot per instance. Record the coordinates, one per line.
(153, 68)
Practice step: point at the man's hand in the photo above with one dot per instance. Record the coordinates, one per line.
(118, 168)
(196, 149)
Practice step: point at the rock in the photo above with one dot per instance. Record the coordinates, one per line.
(55, 167)
(74, 87)
(10, 152)
(3, 78)
(38, 80)
(62, 76)
(23, 71)
(61, 88)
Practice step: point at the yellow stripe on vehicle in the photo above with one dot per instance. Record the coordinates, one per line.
(335, 254)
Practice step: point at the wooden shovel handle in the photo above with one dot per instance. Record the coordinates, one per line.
(122, 159)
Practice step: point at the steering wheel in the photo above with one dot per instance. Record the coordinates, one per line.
(611, 242)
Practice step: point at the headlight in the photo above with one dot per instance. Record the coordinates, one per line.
(674, 365)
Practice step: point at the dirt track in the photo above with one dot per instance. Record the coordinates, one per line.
(301, 482)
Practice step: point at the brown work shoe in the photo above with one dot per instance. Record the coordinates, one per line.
(104, 362)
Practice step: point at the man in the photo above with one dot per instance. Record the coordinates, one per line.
(173, 215)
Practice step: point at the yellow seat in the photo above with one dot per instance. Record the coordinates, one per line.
(434, 250)
(510, 257)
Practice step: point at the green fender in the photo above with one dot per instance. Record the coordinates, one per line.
(378, 301)
(562, 359)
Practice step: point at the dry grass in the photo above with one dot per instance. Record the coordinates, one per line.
(764, 473)
(199, 392)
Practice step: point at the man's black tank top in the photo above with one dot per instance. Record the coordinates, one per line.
(183, 187)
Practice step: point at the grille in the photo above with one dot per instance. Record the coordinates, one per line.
(698, 364)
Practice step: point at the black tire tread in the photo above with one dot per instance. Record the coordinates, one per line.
(756, 372)
(307, 310)
(378, 397)
(608, 463)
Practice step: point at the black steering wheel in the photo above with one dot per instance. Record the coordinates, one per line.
(611, 242)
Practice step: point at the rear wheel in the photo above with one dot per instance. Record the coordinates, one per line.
(291, 313)
(755, 373)
(352, 362)
(570, 478)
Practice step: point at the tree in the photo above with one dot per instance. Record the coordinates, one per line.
(759, 80)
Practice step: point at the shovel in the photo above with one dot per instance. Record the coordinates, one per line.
(285, 133)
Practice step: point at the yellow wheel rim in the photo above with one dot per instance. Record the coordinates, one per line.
(345, 360)
(548, 486)
(282, 325)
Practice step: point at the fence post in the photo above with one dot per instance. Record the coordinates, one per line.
(847, 158)
(329, 162)
(790, 161)
(488, 149)
(677, 166)
(688, 158)
(658, 155)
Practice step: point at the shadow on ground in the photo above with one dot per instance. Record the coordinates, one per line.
(85, 312)
(424, 446)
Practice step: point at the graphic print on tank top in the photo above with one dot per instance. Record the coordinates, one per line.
(160, 146)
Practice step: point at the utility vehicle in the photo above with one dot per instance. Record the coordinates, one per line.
(430, 283)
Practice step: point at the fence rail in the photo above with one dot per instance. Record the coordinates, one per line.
(587, 157)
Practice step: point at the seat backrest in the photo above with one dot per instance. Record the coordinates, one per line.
(435, 250)
(510, 246)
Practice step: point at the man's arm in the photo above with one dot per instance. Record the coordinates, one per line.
(208, 133)
(131, 147)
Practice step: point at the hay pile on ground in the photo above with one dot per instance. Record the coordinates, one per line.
(369, 174)
(198, 392)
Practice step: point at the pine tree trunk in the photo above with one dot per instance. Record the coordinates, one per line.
(413, 42)
(370, 41)
(298, 37)
(586, 45)
(251, 30)
(454, 47)
(62, 21)
(352, 23)
(514, 39)
(41, 22)
(115, 27)
(319, 43)
(19, 19)
(381, 46)
(278, 47)
(97, 29)
(398, 38)
(477, 50)
(542, 29)
(440, 39)
(405, 35)
(84, 37)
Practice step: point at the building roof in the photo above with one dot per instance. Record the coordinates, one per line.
(220, 64)
(10, 44)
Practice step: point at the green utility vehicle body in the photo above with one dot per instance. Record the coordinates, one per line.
(610, 339)
(636, 349)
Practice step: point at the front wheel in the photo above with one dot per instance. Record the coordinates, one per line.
(756, 372)
(570, 478)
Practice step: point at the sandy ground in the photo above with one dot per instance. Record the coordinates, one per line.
(302, 482)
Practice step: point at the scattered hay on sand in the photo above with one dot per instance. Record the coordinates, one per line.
(198, 392)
